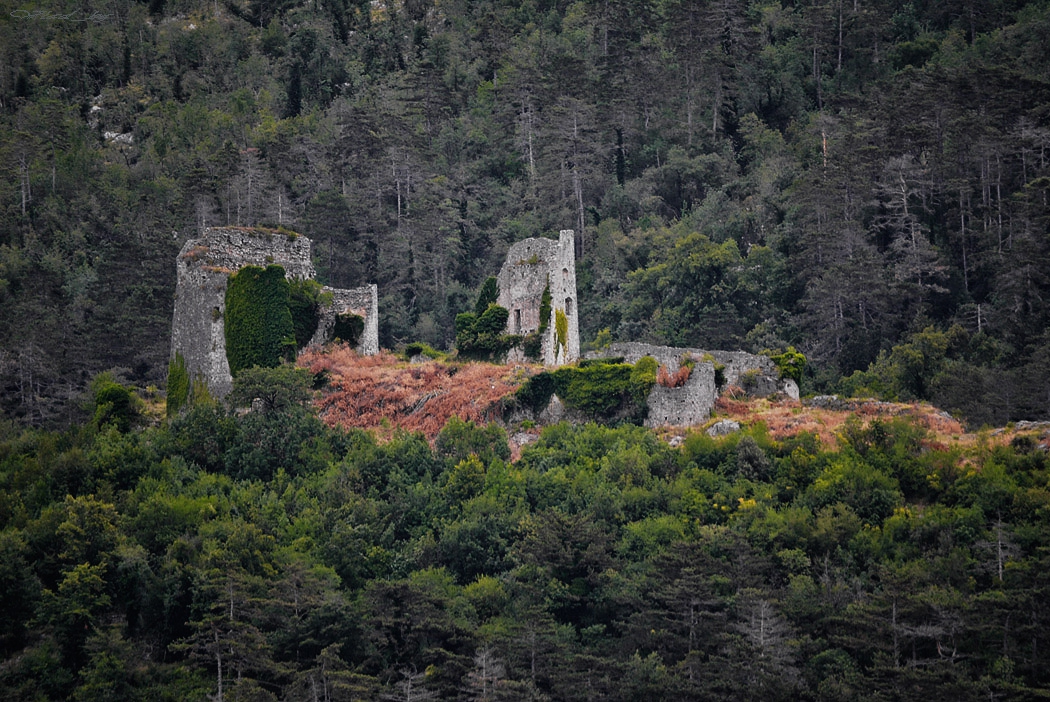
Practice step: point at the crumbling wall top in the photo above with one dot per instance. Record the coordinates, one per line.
(228, 249)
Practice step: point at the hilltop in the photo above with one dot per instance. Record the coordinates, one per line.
(385, 393)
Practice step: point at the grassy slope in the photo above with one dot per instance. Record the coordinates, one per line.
(385, 394)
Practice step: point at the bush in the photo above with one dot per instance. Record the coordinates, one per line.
(488, 296)
(348, 328)
(790, 363)
(481, 337)
(113, 403)
(421, 348)
(673, 380)
(532, 345)
(600, 390)
(459, 439)
(178, 388)
(304, 303)
(536, 393)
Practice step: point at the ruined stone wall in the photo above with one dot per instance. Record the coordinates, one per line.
(692, 403)
(364, 302)
(737, 363)
(203, 268)
(685, 406)
(529, 267)
(232, 248)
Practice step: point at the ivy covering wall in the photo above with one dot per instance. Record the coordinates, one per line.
(597, 389)
(304, 303)
(258, 323)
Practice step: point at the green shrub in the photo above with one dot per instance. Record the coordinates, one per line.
(488, 296)
(493, 321)
(421, 348)
(113, 403)
(536, 393)
(584, 362)
(481, 337)
(304, 303)
(348, 328)
(598, 389)
(178, 389)
(459, 439)
(532, 345)
(790, 363)
(258, 323)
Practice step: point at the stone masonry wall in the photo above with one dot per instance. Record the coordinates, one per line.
(203, 268)
(529, 266)
(364, 302)
(685, 406)
(737, 363)
(692, 403)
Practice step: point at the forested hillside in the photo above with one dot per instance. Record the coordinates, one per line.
(844, 177)
(264, 556)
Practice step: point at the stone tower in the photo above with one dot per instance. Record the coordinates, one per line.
(203, 269)
(531, 266)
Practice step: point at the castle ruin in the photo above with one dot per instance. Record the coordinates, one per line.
(691, 403)
(530, 267)
(204, 266)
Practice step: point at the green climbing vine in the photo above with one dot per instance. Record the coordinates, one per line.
(258, 323)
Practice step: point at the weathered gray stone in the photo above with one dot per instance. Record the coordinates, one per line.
(723, 427)
(736, 363)
(692, 403)
(364, 302)
(530, 265)
(686, 405)
(554, 412)
(203, 268)
(522, 438)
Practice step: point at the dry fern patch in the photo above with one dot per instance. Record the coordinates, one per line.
(384, 393)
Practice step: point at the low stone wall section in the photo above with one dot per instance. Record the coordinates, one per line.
(687, 405)
(364, 302)
(764, 380)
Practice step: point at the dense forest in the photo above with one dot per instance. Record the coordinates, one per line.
(262, 555)
(868, 182)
